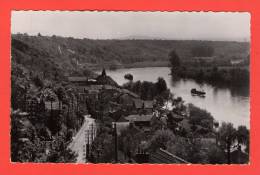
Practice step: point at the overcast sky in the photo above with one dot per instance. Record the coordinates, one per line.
(125, 25)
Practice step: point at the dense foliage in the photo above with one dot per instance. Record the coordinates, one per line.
(174, 59)
(217, 76)
(71, 53)
(147, 90)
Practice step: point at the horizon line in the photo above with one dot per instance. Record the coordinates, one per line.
(141, 38)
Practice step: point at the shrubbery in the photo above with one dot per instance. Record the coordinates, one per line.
(214, 75)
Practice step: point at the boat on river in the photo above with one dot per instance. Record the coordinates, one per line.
(197, 92)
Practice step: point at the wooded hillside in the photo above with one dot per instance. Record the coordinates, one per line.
(71, 54)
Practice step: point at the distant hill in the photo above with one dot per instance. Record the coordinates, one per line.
(78, 55)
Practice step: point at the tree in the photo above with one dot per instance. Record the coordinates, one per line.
(200, 117)
(215, 155)
(160, 139)
(38, 82)
(189, 149)
(227, 136)
(174, 59)
(161, 85)
(61, 94)
(129, 77)
(103, 148)
(242, 136)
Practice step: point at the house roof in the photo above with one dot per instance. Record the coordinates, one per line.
(77, 79)
(93, 87)
(130, 93)
(122, 119)
(106, 80)
(139, 118)
(163, 156)
(143, 104)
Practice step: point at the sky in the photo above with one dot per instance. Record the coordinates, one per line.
(231, 26)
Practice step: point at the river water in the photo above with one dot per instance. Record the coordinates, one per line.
(225, 104)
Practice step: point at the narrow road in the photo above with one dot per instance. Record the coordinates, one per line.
(85, 135)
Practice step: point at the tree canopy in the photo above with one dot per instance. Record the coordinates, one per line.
(174, 59)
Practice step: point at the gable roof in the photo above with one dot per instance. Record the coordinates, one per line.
(77, 79)
(130, 93)
(163, 156)
(122, 119)
(139, 118)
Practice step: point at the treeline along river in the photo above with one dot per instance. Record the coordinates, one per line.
(225, 104)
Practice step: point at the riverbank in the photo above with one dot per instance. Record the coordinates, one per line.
(225, 104)
(228, 76)
(143, 64)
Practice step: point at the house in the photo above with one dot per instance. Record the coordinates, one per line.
(93, 94)
(81, 80)
(32, 106)
(140, 120)
(121, 125)
(141, 106)
(164, 157)
(126, 91)
(53, 105)
(138, 104)
(78, 80)
(148, 106)
(82, 97)
(105, 80)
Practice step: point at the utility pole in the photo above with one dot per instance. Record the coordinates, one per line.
(116, 151)
(87, 146)
(92, 132)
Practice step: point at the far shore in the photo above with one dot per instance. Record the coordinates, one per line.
(132, 65)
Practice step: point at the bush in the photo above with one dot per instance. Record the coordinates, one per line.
(38, 82)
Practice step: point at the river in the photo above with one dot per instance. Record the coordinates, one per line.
(225, 104)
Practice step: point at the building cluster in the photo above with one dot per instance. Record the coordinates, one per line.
(110, 102)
